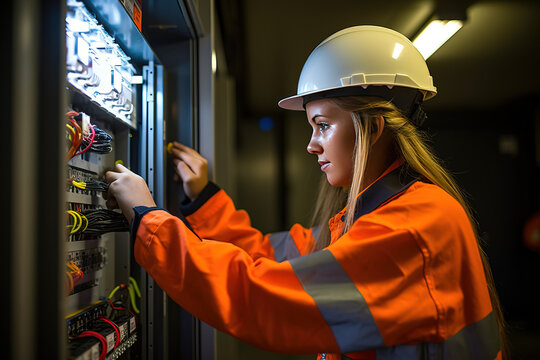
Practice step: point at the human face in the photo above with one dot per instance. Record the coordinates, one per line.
(332, 140)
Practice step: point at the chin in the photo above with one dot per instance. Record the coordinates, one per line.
(338, 182)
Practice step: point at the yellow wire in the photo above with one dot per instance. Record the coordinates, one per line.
(132, 297)
(76, 225)
(113, 292)
(70, 280)
(85, 219)
(79, 184)
(72, 213)
(134, 282)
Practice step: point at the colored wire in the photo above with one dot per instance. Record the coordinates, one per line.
(124, 309)
(77, 221)
(76, 133)
(121, 286)
(91, 185)
(75, 274)
(79, 184)
(90, 141)
(87, 222)
(101, 338)
(135, 285)
(102, 141)
(134, 288)
(70, 285)
(97, 221)
(116, 329)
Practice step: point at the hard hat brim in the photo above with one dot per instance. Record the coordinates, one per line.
(296, 102)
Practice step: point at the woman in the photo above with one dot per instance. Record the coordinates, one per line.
(391, 268)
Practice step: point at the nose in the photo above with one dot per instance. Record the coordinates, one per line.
(313, 147)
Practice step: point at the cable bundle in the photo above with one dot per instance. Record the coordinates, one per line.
(101, 143)
(91, 185)
(95, 139)
(101, 221)
(74, 134)
(80, 222)
(96, 222)
(101, 339)
(74, 275)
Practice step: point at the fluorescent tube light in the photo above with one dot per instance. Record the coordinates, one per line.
(436, 34)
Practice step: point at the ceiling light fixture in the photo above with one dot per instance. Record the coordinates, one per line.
(443, 23)
(435, 34)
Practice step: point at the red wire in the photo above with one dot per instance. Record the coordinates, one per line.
(79, 132)
(115, 327)
(75, 141)
(91, 140)
(101, 338)
(121, 308)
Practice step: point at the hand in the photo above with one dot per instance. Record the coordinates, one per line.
(191, 168)
(127, 190)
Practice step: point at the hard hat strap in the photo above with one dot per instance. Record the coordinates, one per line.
(407, 100)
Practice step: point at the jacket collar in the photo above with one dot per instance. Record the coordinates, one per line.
(389, 184)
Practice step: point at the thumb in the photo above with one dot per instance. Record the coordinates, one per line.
(121, 168)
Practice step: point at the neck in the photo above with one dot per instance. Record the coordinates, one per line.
(381, 156)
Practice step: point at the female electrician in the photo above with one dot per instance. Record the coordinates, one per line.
(391, 271)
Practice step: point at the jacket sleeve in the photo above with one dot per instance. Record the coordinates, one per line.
(213, 216)
(260, 301)
(334, 300)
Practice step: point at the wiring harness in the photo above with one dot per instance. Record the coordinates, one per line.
(85, 137)
(101, 221)
(90, 185)
(74, 276)
(101, 143)
(96, 222)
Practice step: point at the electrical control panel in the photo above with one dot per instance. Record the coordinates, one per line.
(103, 85)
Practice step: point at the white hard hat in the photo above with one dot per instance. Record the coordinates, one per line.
(364, 60)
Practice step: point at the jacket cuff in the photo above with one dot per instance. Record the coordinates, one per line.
(188, 207)
(140, 211)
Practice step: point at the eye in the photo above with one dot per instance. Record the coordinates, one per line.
(322, 126)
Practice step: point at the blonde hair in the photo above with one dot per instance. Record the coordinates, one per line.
(410, 145)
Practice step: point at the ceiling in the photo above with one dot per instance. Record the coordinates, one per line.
(492, 60)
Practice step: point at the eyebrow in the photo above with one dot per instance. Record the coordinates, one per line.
(316, 116)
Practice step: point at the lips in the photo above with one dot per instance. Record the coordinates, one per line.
(324, 164)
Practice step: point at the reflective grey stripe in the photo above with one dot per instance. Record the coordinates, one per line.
(339, 301)
(284, 246)
(478, 341)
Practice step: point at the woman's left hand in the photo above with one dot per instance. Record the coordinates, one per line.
(127, 190)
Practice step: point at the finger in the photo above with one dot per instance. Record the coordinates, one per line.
(188, 159)
(176, 177)
(111, 176)
(111, 204)
(187, 149)
(121, 168)
(184, 171)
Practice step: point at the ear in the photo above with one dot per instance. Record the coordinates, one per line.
(378, 128)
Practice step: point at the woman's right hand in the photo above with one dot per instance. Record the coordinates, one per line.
(191, 169)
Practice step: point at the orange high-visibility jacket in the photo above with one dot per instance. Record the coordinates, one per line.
(405, 282)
